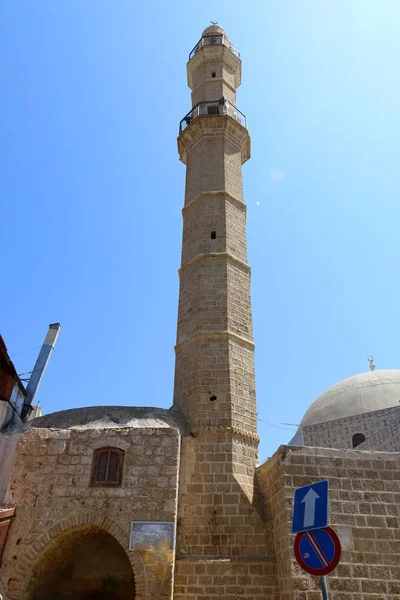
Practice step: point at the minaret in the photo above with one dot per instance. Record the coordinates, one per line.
(219, 512)
(214, 378)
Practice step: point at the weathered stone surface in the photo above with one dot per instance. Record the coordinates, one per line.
(364, 510)
(50, 486)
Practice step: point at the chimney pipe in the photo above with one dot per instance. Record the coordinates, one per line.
(39, 368)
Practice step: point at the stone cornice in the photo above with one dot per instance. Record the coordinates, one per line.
(216, 255)
(216, 334)
(214, 126)
(228, 196)
(252, 437)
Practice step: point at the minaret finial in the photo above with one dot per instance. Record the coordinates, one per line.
(214, 22)
(371, 362)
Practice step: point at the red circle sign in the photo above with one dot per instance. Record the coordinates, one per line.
(317, 551)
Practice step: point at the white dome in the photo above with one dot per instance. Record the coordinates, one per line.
(364, 393)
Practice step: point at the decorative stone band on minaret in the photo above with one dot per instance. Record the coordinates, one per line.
(214, 378)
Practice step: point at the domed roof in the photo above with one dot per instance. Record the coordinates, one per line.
(363, 393)
(213, 30)
(111, 417)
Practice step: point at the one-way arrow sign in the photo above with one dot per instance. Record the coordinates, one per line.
(309, 501)
(310, 509)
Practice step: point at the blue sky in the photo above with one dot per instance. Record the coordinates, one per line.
(92, 188)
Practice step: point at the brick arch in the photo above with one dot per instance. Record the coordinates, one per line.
(79, 520)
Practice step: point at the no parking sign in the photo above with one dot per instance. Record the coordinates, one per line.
(317, 551)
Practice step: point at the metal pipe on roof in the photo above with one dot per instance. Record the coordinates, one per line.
(40, 368)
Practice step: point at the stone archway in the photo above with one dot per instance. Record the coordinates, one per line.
(83, 562)
(74, 541)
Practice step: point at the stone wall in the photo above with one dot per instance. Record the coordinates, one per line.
(224, 548)
(225, 578)
(8, 444)
(214, 374)
(364, 493)
(50, 487)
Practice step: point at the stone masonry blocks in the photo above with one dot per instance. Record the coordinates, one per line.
(50, 486)
(364, 491)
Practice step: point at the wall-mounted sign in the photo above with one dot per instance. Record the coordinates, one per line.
(151, 535)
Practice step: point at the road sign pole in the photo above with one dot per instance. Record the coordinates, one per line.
(324, 587)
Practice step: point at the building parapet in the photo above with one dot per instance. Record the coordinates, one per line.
(212, 40)
(220, 107)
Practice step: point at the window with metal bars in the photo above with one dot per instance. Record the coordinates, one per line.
(107, 467)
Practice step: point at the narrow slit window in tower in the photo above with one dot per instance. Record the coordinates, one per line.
(213, 235)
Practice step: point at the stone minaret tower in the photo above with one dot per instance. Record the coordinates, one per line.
(219, 512)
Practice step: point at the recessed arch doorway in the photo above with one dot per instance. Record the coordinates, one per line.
(82, 563)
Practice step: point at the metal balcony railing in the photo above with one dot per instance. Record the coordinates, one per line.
(217, 107)
(211, 40)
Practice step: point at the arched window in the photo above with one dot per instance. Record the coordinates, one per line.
(107, 467)
(358, 438)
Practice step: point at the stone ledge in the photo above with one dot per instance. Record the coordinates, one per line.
(227, 195)
(284, 454)
(216, 255)
(202, 126)
(222, 428)
(217, 334)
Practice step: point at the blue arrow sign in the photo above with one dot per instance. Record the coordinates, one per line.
(310, 509)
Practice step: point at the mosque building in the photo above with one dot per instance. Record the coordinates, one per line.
(122, 502)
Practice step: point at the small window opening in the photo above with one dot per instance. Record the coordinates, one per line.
(213, 74)
(213, 235)
(107, 467)
(213, 398)
(358, 438)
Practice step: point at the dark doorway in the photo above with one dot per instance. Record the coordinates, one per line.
(102, 595)
(83, 563)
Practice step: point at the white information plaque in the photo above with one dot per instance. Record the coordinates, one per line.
(150, 535)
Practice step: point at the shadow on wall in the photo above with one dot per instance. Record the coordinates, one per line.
(83, 562)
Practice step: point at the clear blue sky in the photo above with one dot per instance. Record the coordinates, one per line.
(92, 189)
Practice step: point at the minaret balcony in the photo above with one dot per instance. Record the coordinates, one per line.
(212, 108)
(212, 40)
